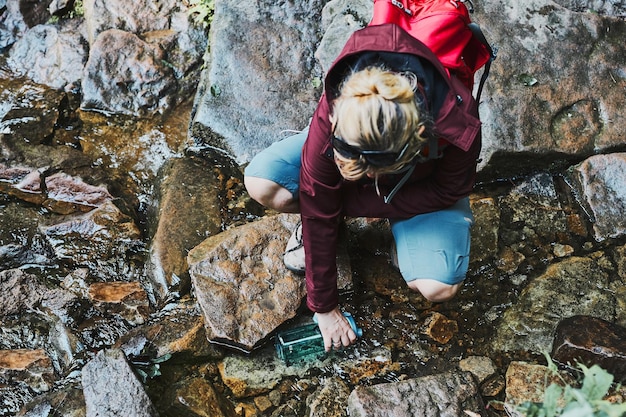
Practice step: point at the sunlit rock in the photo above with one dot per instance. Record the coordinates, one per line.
(50, 55)
(189, 210)
(127, 299)
(601, 184)
(112, 389)
(575, 106)
(197, 397)
(276, 66)
(241, 283)
(32, 367)
(572, 286)
(528, 382)
(450, 393)
(330, 399)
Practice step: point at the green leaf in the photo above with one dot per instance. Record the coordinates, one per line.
(611, 409)
(576, 409)
(596, 383)
(551, 398)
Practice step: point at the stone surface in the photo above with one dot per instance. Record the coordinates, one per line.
(102, 378)
(601, 181)
(591, 341)
(329, 400)
(276, 66)
(528, 382)
(33, 367)
(569, 287)
(445, 395)
(188, 212)
(127, 299)
(241, 283)
(440, 328)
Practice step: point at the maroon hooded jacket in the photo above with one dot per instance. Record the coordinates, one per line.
(325, 197)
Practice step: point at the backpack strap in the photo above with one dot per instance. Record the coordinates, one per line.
(493, 53)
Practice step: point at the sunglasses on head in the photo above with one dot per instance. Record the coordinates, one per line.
(374, 158)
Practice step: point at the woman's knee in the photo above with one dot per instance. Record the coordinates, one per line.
(435, 291)
(270, 194)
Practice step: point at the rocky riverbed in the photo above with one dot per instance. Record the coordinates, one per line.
(137, 277)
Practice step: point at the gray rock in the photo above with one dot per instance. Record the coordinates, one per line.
(248, 95)
(601, 184)
(443, 395)
(127, 75)
(102, 378)
(541, 100)
(50, 55)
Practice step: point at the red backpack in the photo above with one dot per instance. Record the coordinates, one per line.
(444, 26)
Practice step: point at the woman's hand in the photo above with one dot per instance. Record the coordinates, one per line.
(335, 329)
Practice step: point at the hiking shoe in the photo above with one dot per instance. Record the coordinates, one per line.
(294, 252)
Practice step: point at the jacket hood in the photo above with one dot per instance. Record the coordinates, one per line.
(452, 106)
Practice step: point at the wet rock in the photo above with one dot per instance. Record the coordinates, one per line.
(59, 192)
(329, 400)
(12, 25)
(280, 39)
(509, 260)
(21, 291)
(175, 330)
(50, 55)
(439, 328)
(535, 203)
(112, 389)
(197, 397)
(447, 394)
(528, 382)
(569, 287)
(485, 230)
(259, 374)
(601, 181)
(126, 299)
(242, 284)
(67, 402)
(591, 341)
(32, 367)
(189, 211)
(33, 113)
(97, 333)
(105, 240)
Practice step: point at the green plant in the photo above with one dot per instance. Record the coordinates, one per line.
(202, 11)
(568, 401)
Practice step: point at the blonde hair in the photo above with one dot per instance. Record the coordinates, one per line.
(377, 110)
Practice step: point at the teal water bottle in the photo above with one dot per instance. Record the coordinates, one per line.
(306, 342)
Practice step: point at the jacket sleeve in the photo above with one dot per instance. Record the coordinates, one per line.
(452, 178)
(321, 207)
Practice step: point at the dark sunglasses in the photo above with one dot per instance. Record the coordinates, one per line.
(374, 158)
